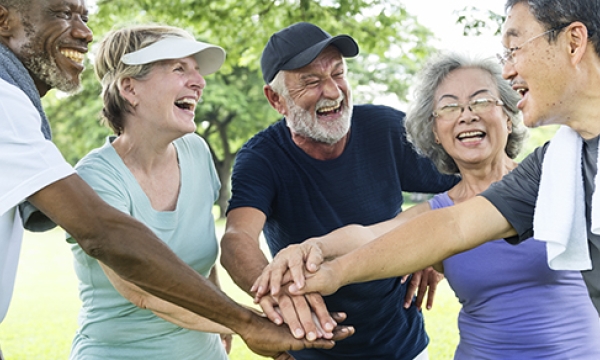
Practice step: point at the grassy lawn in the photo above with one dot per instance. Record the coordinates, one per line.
(43, 315)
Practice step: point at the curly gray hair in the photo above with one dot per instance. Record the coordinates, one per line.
(420, 121)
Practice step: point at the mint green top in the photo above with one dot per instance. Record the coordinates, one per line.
(111, 327)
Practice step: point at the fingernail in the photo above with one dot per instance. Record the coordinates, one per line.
(311, 336)
(299, 333)
(293, 288)
(329, 326)
(278, 321)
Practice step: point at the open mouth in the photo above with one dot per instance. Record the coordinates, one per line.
(470, 136)
(73, 55)
(522, 92)
(329, 110)
(186, 104)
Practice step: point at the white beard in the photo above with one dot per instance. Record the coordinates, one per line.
(306, 124)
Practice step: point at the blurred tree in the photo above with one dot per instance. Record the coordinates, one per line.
(393, 45)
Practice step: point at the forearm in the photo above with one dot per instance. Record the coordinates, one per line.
(425, 240)
(142, 259)
(350, 237)
(163, 309)
(243, 259)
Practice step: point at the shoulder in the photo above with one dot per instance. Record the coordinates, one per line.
(369, 111)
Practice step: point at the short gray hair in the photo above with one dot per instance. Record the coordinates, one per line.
(420, 121)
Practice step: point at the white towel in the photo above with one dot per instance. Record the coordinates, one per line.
(559, 217)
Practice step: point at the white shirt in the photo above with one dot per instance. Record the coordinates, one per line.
(28, 163)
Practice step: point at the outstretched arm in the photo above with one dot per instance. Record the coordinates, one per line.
(163, 309)
(244, 260)
(427, 239)
(147, 262)
(308, 256)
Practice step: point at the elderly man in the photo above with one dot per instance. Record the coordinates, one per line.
(553, 61)
(42, 46)
(325, 165)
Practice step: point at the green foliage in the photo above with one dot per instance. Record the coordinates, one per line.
(476, 21)
(393, 45)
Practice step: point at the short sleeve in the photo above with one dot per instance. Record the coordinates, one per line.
(252, 182)
(28, 161)
(516, 194)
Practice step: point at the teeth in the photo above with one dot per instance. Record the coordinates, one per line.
(470, 134)
(522, 91)
(74, 55)
(327, 109)
(187, 103)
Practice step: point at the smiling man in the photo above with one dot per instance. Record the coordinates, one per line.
(552, 59)
(42, 45)
(326, 164)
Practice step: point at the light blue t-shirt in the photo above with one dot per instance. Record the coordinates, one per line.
(111, 327)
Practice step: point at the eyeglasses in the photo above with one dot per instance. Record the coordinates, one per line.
(451, 112)
(509, 54)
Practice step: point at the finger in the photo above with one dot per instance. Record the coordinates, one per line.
(342, 331)
(260, 286)
(318, 306)
(338, 316)
(304, 313)
(412, 286)
(269, 308)
(432, 290)
(403, 279)
(424, 284)
(284, 356)
(314, 259)
(290, 316)
(296, 270)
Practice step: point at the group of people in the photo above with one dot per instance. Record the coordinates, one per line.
(324, 185)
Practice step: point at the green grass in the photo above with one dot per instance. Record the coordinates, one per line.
(42, 318)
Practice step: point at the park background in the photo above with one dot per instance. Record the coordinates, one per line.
(395, 39)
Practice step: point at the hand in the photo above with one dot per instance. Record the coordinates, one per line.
(306, 315)
(288, 265)
(423, 282)
(325, 281)
(227, 340)
(267, 339)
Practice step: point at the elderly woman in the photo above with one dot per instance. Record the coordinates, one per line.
(465, 119)
(158, 171)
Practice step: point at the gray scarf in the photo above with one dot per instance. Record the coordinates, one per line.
(13, 72)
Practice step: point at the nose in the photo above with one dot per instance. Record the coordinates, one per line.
(81, 30)
(468, 116)
(331, 89)
(508, 70)
(197, 81)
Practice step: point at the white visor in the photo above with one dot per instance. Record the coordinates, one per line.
(209, 57)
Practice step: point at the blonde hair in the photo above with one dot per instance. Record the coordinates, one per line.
(111, 71)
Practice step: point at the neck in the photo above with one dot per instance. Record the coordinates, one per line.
(144, 153)
(584, 115)
(477, 178)
(320, 150)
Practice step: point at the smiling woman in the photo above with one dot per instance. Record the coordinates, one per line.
(159, 172)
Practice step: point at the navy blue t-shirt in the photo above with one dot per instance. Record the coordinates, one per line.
(303, 197)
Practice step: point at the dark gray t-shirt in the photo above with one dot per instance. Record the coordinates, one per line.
(516, 194)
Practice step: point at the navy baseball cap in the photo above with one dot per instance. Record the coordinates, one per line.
(298, 45)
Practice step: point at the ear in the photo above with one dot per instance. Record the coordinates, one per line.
(5, 28)
(509, 125)
(276, 100)
(577, 39)
(127, 91)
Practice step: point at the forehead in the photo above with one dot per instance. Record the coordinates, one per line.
(520, 23)
(79, 5)
(465, 82)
